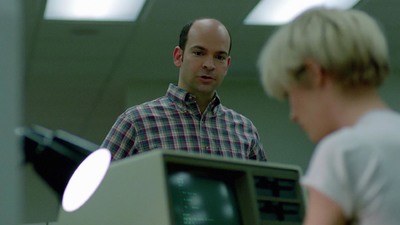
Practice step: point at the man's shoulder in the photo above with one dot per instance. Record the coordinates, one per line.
(149, 107)
(233, 113)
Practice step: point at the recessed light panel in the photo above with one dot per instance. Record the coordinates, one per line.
(93, 10)
(277, 12)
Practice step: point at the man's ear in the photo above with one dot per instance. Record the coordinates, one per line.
(177, 55)
(228, 63)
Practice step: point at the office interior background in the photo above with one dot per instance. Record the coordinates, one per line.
(79, 76)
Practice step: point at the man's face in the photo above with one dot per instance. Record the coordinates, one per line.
(205, 60)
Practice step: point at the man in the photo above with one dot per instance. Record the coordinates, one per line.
(190, 117)
(329, 64)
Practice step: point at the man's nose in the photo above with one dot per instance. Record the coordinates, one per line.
(209, 63)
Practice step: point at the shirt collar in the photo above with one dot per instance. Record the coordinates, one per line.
(185, 100)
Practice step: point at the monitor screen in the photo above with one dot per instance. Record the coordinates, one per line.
(210, 193)
(202, 200)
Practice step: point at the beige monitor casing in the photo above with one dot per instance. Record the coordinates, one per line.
(135, 192)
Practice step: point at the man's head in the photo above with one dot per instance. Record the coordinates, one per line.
(347, 43)
(183, 37)
(202, 56)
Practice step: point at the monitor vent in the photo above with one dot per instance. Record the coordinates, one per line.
(278, 200)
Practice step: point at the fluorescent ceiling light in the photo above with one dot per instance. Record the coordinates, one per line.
(93, 10)
(277, 12)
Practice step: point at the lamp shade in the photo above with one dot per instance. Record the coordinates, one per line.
(56, 155)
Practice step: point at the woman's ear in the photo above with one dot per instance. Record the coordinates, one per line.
(316, 72)
(177, 55)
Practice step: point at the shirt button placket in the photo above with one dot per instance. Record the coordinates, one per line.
(203, 134)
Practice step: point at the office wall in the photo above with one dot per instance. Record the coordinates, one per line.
(10, 94)
(283, 141)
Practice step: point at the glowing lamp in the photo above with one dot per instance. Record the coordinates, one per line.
(71, 166)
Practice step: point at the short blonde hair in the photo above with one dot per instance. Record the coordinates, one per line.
(348, 43)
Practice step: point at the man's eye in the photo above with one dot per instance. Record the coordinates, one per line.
(197, 53)
(221, 57)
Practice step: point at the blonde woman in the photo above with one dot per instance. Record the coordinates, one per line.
(329, 64)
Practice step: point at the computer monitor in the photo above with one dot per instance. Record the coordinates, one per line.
(166, 187)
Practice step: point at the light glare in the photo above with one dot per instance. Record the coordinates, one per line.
(85, 180)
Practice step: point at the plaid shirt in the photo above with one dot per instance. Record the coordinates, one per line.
(175, 122)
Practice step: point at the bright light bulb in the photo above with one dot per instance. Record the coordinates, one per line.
(85, 180)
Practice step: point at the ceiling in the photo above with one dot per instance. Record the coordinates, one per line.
(77, 72)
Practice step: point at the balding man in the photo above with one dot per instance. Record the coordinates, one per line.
(190, 117)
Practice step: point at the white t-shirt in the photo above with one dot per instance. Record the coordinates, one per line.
(359, 168)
